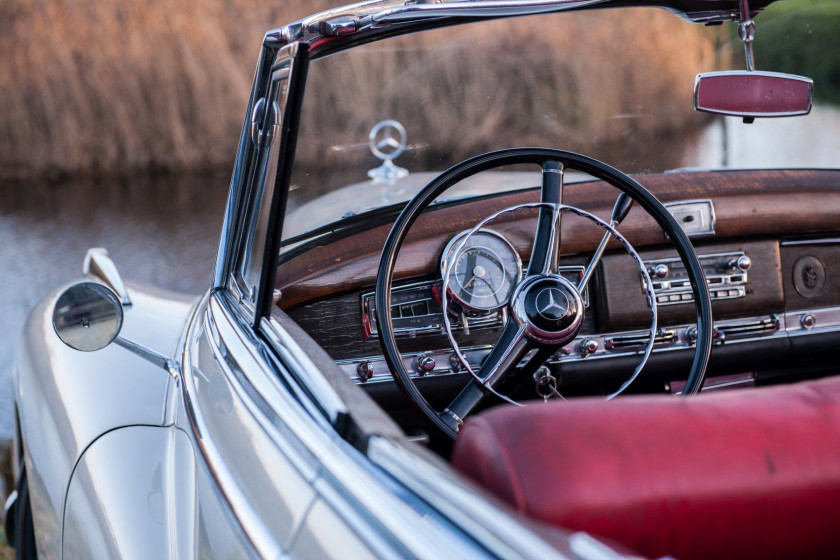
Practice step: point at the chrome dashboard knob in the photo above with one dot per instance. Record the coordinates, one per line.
(659, 272)
(588, 346)
(742, 263)
(423, 364)
(364, 371)
(691, 335)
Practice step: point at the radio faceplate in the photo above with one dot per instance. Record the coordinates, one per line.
(726, 275)
(415, 309)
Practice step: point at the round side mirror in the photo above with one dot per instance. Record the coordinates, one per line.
(87, 316)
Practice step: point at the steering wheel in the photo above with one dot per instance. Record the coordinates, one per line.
(530, 329)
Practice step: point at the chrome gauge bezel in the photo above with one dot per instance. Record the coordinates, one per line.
(517, 261)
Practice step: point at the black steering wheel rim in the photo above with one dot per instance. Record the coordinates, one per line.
(539, 156)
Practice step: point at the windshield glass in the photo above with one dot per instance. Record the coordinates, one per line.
(616, 85)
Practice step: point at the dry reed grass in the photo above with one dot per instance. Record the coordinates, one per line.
(106, 86)
(111, 87)
(632, 84)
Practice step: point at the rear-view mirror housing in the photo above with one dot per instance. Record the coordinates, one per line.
(753, 94)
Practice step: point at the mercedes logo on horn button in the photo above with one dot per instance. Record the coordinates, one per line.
(549, 308)
(552, 303)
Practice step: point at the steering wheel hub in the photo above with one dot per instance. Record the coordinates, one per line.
(549, 308)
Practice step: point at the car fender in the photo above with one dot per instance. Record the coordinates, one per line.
(66, 398)
(132, 495)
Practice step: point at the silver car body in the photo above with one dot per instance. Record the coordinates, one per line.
(252, 449)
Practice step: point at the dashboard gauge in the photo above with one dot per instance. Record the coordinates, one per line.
(485, 272)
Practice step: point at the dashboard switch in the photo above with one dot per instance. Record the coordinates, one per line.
(423, 364)
(691, 335)
(808, 321)
(741, 263)
(364, 371)
(588, 346)
(659, 271)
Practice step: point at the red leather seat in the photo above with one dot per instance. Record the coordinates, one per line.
(739, 474)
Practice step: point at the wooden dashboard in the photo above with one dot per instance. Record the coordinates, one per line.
(748, 204)
(784, 326)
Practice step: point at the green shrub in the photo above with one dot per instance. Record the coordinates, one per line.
(802, 37)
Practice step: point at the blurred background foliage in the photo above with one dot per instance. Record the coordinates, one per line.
(809, 31)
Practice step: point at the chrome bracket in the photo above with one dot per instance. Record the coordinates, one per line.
(746, 33)
(262, 125)
(99, 266)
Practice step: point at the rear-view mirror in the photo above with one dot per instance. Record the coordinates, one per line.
(750, 94)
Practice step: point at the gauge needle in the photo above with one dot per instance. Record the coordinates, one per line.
(471, 280)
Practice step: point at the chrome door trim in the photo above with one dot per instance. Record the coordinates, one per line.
(237, 182)
(395, 522)
(482, 519)
(235, 207)
(292, 354)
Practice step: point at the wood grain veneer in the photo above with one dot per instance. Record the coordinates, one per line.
(829, 255)
(335, 322)
(622, 305)
(747, 204)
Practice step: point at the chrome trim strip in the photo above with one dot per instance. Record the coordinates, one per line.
(377, 17)
(587, 547)
(828, 320)
(309, 374)
(365, 497)
(484, 9)
(234, 206)
(442, 357)
(502, 535)
(748, 381)
(820, 241)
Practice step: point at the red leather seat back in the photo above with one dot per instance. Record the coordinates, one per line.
(740, 474)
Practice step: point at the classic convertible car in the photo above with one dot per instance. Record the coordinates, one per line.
(425, 339)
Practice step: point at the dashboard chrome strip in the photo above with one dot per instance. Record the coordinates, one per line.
(825, 319)
(734, 331)
(820, 241)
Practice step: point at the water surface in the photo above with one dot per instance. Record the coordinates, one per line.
(161, 231)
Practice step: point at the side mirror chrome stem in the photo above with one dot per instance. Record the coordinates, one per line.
(172, 367)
